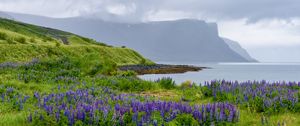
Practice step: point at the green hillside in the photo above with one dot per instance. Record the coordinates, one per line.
(20, 42)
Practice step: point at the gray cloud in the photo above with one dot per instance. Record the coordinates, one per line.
(136, 10)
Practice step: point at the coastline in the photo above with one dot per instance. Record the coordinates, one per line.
(160, 69)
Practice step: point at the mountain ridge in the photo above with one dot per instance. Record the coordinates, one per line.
(235, 46)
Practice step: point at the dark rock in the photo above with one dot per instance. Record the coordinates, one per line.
(160, 69)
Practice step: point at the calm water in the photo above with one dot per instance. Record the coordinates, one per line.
(237, 71)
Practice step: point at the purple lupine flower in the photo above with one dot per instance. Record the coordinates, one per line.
(57, 116)
(257, 89)
(81, 105)
(3, 97)
(135, 117)
(155, 123)
(36, 95)
(198, 116)
(41, 117)
(25, 99)
(231, 116)
(29, 118)
(9, 90)
(222, 114)
(203, 112)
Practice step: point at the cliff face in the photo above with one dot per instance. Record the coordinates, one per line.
(164, 41)
(235, 46)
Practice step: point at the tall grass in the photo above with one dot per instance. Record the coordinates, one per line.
(3, 36)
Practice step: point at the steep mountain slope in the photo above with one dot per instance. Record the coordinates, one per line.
(20, 42)
(170, 41)
(235, 46)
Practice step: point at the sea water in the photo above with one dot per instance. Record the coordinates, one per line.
(271, 72)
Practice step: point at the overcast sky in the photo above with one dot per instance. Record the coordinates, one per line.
(255, 24)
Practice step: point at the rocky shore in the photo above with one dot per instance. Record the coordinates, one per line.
(160, 69)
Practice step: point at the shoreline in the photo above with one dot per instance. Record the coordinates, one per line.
(160, 69)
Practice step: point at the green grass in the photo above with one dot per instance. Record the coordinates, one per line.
(15, 29)
(11, 32)
(13, 119)
(254, 119)
(92, 53)
(20, 42)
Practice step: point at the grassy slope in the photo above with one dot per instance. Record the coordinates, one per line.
(21, 42)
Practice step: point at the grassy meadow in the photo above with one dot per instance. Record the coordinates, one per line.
(51, 77)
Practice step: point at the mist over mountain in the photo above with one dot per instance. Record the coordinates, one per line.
(235, 46)
(162, 41)
(4, 15)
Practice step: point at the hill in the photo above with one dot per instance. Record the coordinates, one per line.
(21, 42)
(197, 41)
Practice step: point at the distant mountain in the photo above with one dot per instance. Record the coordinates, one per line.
(164, 41)
(235, 46)
(4, 15)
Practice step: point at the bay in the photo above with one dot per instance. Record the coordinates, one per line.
(271, 72)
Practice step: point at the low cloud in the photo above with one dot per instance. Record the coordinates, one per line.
(137, 10)
(262, 33)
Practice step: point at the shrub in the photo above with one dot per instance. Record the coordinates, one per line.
(131, 84)
(47, 39)
(57, 44)
(96, 69)
(143, 61)
(44, 40)
(94, 41)
(128, 73)
(186, 84)
(108, 68)
(191, 94)
(10, 41)
(32, 40)
(21, 40)
(3, 36)
(166, 83)
(186, 120)
(124, 73)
